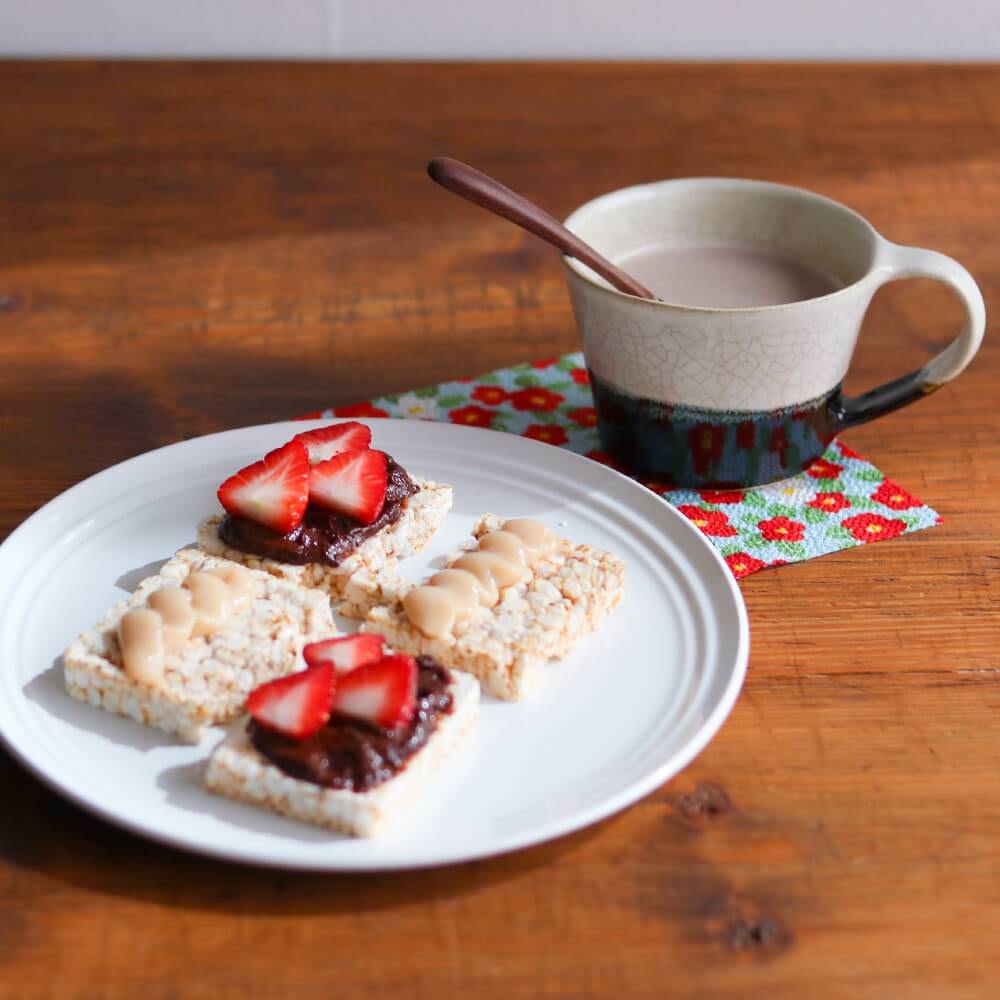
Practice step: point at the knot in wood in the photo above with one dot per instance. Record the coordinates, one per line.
(760, 933)
(705, 802)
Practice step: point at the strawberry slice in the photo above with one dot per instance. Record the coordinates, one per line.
(346, 653)
(274, 491)
(297, 705)
(325, 442)
(352, 483)
(384, 692)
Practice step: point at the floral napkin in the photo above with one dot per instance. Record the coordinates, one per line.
(840, 501)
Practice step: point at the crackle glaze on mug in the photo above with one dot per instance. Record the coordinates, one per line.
(741, 396)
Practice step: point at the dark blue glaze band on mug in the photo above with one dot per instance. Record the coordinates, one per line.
(684, 445)
(743, 396)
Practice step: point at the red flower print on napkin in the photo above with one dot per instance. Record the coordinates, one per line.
(535, 397)
(781, 529)
(472, 416)
(359, 410)
(580, 376)
(743, 564)
(711, 522)
(830, 502)
(549, 433)
(721, 496)
(873, 527)
(544, 363)
(491, 395)
(895, 497)
(822, 469)
(586, 416)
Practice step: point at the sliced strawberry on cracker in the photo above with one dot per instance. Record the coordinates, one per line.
(346, 653)
(325, 442)
(297, 705)
(384, 692)
(274, 491)
(351, 483)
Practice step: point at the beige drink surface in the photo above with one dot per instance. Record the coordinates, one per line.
(723, 275)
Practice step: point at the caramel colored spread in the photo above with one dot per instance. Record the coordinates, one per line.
(503, 559)
(356, 755)
(173, 615)
(140, 633)
(323, 536)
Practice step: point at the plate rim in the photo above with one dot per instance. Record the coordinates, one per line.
(541, 833)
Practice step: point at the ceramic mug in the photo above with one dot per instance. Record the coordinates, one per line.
(741, 396)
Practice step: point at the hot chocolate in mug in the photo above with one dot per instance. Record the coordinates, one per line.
(701, 395)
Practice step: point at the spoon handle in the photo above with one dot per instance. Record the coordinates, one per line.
(483, 190)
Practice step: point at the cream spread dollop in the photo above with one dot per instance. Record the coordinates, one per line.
(503, 559)
(173, 615)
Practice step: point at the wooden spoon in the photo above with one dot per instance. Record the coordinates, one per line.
(483, 190)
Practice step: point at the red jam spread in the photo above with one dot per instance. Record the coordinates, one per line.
(356, 755)
(323, 536)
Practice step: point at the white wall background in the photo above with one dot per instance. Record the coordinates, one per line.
(504, 29)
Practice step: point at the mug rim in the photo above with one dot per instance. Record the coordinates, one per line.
(636, 191)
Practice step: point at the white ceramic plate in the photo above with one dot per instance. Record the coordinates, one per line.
(629, 709)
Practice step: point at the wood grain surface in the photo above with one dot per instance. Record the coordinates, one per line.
(191, 247)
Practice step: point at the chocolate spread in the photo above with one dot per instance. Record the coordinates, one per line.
(323, 536)
(355, 755)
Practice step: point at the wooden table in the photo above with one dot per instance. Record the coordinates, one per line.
(193, 247)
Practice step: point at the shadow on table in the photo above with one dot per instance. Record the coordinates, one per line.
(49, 836)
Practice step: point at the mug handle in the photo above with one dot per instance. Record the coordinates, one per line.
(894, 263)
